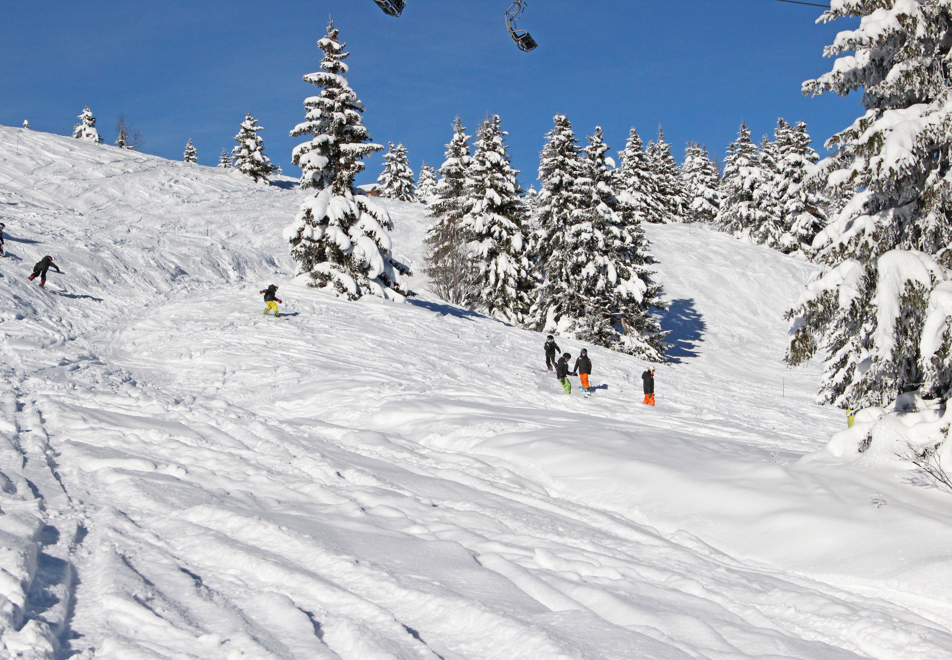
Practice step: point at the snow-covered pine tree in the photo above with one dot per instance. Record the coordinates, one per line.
(447, 261)
(86, 128)
(493, 228)
(122, 138)
(560, 167)
(426, 183)
(667, 177)
(191, 153)
(340, 239)
(531, 200)
(396, 180)
(610, 258)
(635, 181)
(701, 180)
(801, 206)
(224, 161)
(334, 120)
(881, 311)
(768, 228)
(248, 156)
(740, 211)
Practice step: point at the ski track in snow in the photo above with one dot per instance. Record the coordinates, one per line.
(184, 477)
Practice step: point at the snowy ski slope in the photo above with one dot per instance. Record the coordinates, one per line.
(183, 477)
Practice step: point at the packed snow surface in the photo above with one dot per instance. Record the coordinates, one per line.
(184, 477)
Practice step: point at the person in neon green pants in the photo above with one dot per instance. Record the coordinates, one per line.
(562, 372)
(271, 299)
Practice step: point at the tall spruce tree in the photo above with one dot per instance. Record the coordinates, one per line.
(447, 260)
(740, 212)
(493, 227)
(334, 120)
(667, 177)
(86, 128)
(426, 183)
(767, 228)
(636, 181)
(249, 157)
(396, 180)
(611, 259)
(560, 168)
(701, 180)
(881, 310)
(800, 204)
(191, 153)
(340, 239)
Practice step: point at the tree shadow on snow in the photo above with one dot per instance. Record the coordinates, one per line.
(286, 185)
(685, 327)
(444, 309)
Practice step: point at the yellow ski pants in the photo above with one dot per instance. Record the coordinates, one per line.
(272, 306)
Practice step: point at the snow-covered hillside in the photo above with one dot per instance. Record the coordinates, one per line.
(183, 477)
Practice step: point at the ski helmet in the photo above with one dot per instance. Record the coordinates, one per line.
(48, 257)
(584, 351)
(550, 337)
(566, 355)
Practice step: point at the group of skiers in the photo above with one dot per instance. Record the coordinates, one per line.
(583, 368)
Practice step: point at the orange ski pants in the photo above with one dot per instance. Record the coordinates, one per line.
(649, 399)
(584, 379)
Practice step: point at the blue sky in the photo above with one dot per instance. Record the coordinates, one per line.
(183, 70)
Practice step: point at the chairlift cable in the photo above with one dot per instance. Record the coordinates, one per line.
(809, 4)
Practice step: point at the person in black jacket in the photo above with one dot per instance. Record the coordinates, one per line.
(551, 348)
(583, 367)
(41, 267)
(648, 379)
(562, 372)
(2, 227)
(270, 299)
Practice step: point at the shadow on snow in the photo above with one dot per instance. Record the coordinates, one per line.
(444, 309)
(685, 326)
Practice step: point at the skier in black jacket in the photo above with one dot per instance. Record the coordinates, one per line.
(583, 367)
(551, 348)
(648, 379)
(2, 227)
(562, 372)
(270, 299)
(41, 267)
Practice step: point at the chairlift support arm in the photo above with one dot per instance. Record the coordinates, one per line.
(392, 7)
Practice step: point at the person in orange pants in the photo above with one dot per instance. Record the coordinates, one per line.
(583, 367)
(648, 380)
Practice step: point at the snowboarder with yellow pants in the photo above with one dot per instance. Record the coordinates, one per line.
(271, 300)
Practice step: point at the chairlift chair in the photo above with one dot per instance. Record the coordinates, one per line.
(391, 7)
(522, 38)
